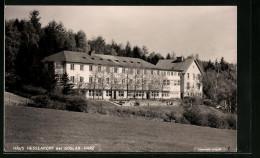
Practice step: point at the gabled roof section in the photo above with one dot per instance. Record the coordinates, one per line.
(177, 65)
(100, 59)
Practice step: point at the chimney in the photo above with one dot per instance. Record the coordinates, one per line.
(92, 53)
(180, 59)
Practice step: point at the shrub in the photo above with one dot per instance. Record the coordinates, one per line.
(33, 91)
(193, 115)
(213, 120)
(231, 121)
(41, 101)
(76, 103)
(181, 119)
(192, 100)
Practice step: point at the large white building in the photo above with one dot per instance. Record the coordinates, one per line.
(114, 77)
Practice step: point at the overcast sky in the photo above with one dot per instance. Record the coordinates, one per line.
(210, 32)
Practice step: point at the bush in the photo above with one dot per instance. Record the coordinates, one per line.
(231, 121)
(214, 120)
(41, 101)
(33, 91)
(193, 115)
(192, 100)
(76, 103)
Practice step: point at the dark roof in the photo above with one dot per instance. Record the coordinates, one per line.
(177, 65)
(100, 59)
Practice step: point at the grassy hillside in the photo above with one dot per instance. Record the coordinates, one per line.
(27, 126)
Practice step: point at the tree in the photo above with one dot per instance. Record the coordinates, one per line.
(168, 56)
(12, 45)
(67, 86)
(98, 45)
(223, 65)
(191, 56)
(35, 20)
(81, 42)
(70, 42)
(173, 55)
(54, 39)
(128, 50)
(137, 53)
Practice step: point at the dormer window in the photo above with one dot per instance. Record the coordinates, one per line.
(131, 62)
(93, 58)
(138, 62)
(116, 60)
(84, 57)
(100, 58)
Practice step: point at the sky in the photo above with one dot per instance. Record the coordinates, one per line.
(209, 31)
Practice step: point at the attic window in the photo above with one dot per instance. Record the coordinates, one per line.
(84, 57)
(116, 60)
(131, 62)
(108, 59)
(100, 58)
(93, 58)
(138, 62)
(124, 61)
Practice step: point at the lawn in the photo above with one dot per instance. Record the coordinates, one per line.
(34, 126)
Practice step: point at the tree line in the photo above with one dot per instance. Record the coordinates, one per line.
(27, 43)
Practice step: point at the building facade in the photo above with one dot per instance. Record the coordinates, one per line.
(112, 77)
(191, 75)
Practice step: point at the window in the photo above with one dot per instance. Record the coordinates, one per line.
(72, 66)
(90, 92)
(171, 73)
(99, 68)
(179, 82)
(193, 76)
(99, 80)
(198, 76)
(179, 74)
(166, 82)
(121, 93)
(151, 72)
(108, 69)
(165, 94)
(137, 81)
(158, 72)
(115, 80)
(115, 70)
(168, 73)
(98, 93)
(90, 79)
(131, 71)
(123, 70)
(155, 94)
(82, 67)
(145, 71)
(198, 85)
(188, 75)
(138, 71)
(175, 74)
(107, 80)
(145, 82)
(138, 93)
(90, 68)
(81, 79)
(72, 79)
(108, 93)
(130, 81)
(175, 82)
(188, 85)
(123, 81)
